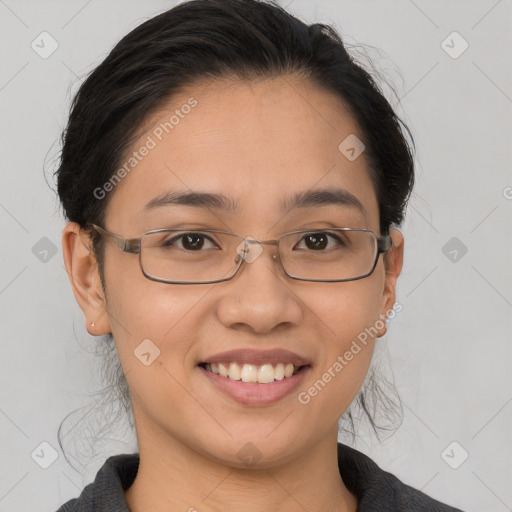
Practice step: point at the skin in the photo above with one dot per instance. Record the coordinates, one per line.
(256, 142)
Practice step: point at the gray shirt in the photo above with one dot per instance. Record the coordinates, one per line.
(376, 489)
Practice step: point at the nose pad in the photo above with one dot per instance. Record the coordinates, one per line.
(249, 252)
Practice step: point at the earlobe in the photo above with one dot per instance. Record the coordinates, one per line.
(394, 262)
(82, 269)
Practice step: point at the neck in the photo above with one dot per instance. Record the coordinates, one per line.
(179, 478)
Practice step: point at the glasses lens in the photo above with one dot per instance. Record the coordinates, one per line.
(333, 254)
(200, 256)
(189, 256)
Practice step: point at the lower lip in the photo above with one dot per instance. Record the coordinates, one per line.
(254, 393)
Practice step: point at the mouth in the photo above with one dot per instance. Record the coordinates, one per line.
(254, 385)
(255, 377)
(255, 373)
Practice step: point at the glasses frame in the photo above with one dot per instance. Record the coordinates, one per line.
(133, 246)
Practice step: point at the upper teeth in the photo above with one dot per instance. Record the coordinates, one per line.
(251, 372)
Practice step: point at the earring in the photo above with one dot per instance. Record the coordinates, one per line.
(92, 324)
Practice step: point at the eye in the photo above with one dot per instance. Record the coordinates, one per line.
(189, 242)
(320, 240)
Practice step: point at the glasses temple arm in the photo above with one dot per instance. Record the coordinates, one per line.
(384, 243)
(131, 245)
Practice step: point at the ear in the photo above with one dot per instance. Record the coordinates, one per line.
(393, 264)
(82, 270)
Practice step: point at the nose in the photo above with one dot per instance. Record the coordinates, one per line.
(259, 297)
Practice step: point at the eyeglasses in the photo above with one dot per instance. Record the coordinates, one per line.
(188, 256)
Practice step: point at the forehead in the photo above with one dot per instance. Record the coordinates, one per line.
(258, 142)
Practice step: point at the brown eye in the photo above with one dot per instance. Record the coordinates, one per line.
(320, 240)
(189, 241)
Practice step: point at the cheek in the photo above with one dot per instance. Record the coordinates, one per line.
(344, 310)
(141, 309)
(154, 330)
(346, 317)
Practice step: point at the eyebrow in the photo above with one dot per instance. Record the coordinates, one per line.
(305, 199)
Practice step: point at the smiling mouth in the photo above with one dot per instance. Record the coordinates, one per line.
(262, 374)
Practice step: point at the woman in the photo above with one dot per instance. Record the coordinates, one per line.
(233, 183)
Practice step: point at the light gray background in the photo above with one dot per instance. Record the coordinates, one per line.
(450, 345)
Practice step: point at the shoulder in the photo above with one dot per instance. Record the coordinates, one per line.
(379, 490)
(106, 492)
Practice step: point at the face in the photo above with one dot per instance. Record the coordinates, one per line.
(257, 143)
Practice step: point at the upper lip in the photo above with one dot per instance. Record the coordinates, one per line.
(257, 357)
